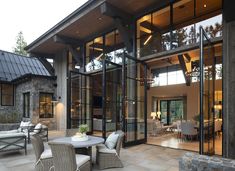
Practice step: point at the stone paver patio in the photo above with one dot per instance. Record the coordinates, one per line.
(138, 158)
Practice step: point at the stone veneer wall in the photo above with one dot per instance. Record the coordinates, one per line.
(196, 162)
(34, 86)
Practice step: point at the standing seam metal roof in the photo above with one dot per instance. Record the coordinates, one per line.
(13, 66)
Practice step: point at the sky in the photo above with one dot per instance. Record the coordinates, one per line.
(32, 17)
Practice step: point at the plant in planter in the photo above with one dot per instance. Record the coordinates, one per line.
(83, 129)
(81, 134)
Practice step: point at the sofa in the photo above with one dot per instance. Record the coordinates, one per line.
(13, 141)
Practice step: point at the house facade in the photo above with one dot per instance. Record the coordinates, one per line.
(118, 63)
(27, 89)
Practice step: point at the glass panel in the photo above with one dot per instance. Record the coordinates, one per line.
(81, 100)
(153, 33)
(163, 108)
(94, 54)
(208, 97)
(134, 105)
(45, 105)
(7, 95)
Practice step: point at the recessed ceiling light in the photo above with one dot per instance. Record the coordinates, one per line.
(204, 5)
(100, 18)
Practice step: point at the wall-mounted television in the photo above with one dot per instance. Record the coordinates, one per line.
(97, 101)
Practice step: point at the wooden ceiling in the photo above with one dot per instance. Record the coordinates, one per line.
(88, 25)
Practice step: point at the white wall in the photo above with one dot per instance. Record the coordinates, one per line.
(179, 90)
(60, 65)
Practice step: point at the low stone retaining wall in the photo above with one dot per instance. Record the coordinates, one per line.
(196, 162)
(9, 126)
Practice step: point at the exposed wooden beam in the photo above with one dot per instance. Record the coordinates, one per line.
(149, 26)
(44, 55)
(184, 69)
(67, 40)
(114, 12)
(125, 34)
(121, 20)
(47, 65)
(187, 57)
(76, 55)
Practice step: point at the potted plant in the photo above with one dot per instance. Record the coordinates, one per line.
(83, 129)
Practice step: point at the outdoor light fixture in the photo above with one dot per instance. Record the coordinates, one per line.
(148, 39)
(153, 114)
(55, 99)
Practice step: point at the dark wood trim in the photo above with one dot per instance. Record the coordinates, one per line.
(184, 69)
(67, 40)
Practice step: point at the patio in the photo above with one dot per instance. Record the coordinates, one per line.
(139, 158)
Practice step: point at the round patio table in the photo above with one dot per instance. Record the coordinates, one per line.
(92, 141)
(81, 147)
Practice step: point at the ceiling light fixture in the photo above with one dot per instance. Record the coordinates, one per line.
(204, 5)
(148, 39)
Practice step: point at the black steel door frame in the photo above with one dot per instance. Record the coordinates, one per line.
(69, 97)
(125, 56)
(203, 35)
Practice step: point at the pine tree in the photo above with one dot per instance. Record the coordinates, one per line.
(20, 45)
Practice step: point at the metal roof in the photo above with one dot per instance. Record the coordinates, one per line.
(13, 66)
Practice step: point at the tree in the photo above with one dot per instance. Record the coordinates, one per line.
(20, 45)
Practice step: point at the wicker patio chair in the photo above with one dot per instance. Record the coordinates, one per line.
(109, 158)
(64, 158)
(43, 157)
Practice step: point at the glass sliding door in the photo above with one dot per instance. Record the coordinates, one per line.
(80, 101)
(134, 84)
(207, 82)
(171, 111)
(113, 98)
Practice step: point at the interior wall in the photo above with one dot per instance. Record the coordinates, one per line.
(179, 90)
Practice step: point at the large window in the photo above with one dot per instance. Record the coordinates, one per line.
(178, 25)
(109, 46)
(26, 105)
(45, 105)
(168, 76)
(171, 111)
(7, 95)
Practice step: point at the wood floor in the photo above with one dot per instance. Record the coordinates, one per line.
(171, 140)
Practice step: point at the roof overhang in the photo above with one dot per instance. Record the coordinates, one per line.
(86, 23)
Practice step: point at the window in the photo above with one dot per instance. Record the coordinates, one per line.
(26, 105)
(171, 110)
(7, 95)
(45, 105)
(168, 76)
(177, 25)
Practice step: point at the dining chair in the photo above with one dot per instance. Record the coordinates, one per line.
(65, 159)
(188, 131)
(43, 156)
(110, 158)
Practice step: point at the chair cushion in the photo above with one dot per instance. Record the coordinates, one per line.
(81, 159)
(37, 128)
(111, 140)
(106, 150)
(10, 131)
(46, 154)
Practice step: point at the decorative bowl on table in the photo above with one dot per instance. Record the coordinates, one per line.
(80, 137)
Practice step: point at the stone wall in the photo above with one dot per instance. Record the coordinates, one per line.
(196, 162)
(34, 86)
